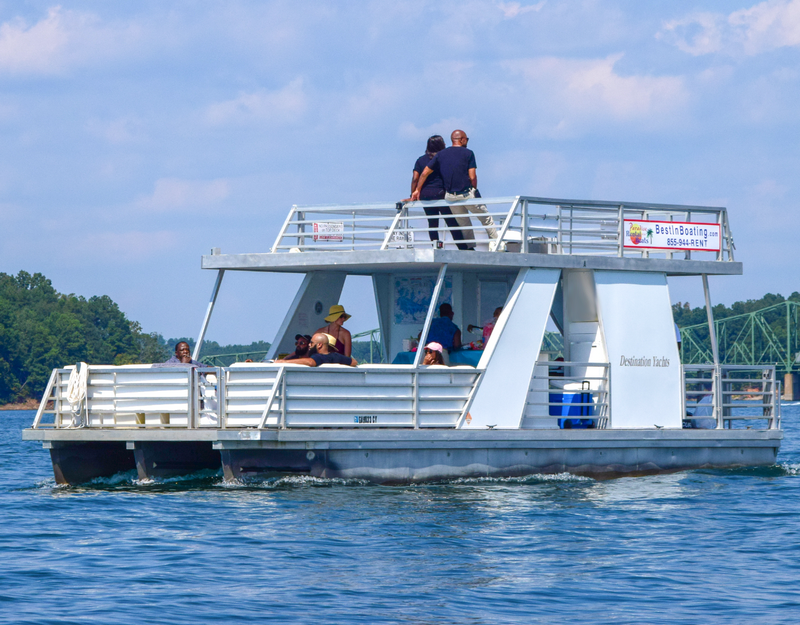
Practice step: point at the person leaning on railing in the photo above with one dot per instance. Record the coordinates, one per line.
(458, 169)
(325, 354)
(302, 343)
(433, 190)
(182, 356)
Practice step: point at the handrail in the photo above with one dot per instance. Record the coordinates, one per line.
(271, 399)
(715, 383)
(46, 398)
(522, 222)
(599, 390)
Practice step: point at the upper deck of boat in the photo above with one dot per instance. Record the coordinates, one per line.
(534, 232)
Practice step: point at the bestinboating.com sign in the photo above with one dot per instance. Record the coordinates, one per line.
(671, 235)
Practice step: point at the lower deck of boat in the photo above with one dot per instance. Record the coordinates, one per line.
(396, 456)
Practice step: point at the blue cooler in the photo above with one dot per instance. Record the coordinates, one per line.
(567, 397)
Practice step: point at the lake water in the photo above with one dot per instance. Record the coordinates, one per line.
(694, 547)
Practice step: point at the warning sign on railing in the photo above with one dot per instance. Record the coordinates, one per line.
(328, 231)
(671, 235)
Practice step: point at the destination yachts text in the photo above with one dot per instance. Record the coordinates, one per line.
(655, 361)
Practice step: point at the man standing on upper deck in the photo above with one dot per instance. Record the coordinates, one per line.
(458, 169)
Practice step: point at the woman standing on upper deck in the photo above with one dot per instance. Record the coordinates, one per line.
(433, 189)
(336, 318)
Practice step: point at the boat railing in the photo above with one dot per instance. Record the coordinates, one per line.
(523, 224)
(569, 394)
(132, 396)
(727, 395)
(283, 397)
(259, 395)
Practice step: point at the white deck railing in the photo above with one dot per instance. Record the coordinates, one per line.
(261, 396)
(523, 224)
(561, 392)
(731, 393)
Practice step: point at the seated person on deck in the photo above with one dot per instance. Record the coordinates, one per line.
(444, 331)
(433, 355)
(336, 318)
(487, 327)
(182, 356)
(325, 354)
(301, 344)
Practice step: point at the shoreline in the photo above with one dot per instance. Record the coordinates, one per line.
(28, 404)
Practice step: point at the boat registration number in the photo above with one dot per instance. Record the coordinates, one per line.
(365, 419)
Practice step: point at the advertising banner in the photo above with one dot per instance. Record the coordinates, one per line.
(328, 231)
(671, 235)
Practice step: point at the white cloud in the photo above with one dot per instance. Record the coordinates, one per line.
(59, 41)
(591, 89)
(284, 105)
(515, 9)
(38, 48)
(763, 27)
(177, 194)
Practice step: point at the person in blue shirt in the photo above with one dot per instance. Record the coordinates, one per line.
(433, 190)
(444, 331)
(458, 169)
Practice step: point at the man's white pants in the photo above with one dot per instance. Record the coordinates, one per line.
(478, 209)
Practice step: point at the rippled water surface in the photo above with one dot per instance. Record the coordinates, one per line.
(695, 547)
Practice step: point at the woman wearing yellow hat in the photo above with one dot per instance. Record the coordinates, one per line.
(336, 318)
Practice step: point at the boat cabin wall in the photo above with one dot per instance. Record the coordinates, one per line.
(403, 301)
(317, 293)
(636, 317)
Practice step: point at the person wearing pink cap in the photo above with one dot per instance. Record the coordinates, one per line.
(433, 354)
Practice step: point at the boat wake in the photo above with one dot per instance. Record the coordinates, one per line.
(291, 481)
(537, 478)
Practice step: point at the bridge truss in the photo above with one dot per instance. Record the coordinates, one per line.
(768, 336)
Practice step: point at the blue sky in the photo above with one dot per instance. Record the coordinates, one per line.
(135, 136)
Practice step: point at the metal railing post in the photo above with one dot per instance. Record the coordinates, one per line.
(45, 398)
(283, 228)
(560, 230)
(710, 315)
(207, 317)
(525, 247)
(621, 231)
(222, 397)
(506, 223)
(283, 402)
(301, 228)
(392, 228)
(415, 382)
(429, 317)
(683, 393)
(271, 399)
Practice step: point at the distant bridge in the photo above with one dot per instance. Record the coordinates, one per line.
(768, 336)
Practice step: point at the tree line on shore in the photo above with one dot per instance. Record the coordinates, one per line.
(42, 329)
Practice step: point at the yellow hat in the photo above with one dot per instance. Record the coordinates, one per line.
(331, 340)
(335, 312)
